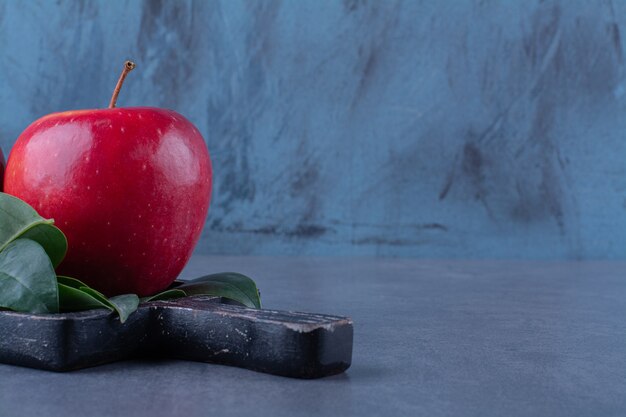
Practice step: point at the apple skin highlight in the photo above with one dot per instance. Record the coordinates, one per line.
(130, 188)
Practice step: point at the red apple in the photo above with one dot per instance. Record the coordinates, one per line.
(2, 166)
(130, 188)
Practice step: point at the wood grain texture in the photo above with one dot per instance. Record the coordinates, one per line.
(397, 128)
(299, 345)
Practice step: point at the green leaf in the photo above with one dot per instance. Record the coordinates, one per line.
(81, 286)
(96, 294)
(19, 220)
(73, 299)
(165, 295)
(231, 285)
(125, 305)
(76, 296)
(70, 282)
(27, 279)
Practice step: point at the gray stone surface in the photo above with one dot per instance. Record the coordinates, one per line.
(431, 338)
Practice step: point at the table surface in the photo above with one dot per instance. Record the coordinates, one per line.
(431, 338)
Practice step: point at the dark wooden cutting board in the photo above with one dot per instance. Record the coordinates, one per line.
(200, 328)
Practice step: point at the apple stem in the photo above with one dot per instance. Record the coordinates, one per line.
(128, 67)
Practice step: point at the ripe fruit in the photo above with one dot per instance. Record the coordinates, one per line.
(2, 166)
(130, 188)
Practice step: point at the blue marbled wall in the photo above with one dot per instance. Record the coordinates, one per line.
(398, 128)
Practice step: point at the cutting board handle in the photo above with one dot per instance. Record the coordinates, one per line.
(293, 344)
